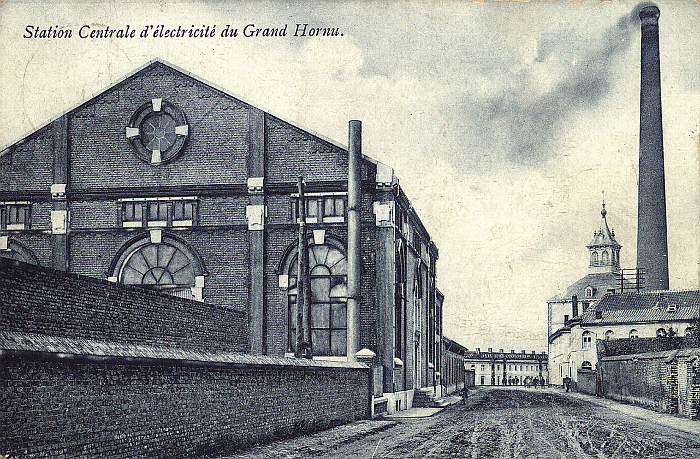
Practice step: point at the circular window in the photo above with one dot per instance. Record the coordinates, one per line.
(157, 131)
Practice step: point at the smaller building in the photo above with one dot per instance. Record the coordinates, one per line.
(604, 276)
(633, 316)
(452, 373)
(507, 368)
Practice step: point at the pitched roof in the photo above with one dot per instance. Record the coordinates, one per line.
(600, 282)
(648, 307)
(157, 62)
(603, 237)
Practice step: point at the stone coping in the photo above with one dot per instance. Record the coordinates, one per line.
(670, 354)
(62, 347)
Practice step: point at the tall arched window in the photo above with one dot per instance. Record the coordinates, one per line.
(606, 257)
(594, 258)
(587, 339)
(328, 268)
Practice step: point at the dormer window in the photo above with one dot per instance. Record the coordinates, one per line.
(589, 292)
(671, 308)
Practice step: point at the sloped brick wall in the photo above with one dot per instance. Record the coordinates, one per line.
(44, 301)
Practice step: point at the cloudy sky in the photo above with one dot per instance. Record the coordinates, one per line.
(506, 121)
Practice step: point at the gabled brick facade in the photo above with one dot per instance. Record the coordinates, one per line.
(165, 180)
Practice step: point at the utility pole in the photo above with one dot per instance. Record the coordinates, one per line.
(303, 346)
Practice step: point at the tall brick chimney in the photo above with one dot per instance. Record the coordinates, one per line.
(652, 245)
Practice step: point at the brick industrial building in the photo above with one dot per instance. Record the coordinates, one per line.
(168, 182)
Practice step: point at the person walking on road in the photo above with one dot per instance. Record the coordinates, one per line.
(465, 395)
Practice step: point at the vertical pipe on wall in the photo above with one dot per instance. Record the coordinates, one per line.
(354, 229)
(303, 339)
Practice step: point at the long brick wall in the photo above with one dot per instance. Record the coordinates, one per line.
(626, 346)
(668, 382)
(93, 369)
(45, 301)
(68, 405)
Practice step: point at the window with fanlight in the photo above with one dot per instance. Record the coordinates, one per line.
(328, 280)
(158, 266)
(168, 265)
(15, 251)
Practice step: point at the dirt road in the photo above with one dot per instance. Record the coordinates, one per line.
(501, 423)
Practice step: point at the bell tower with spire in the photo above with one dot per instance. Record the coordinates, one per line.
(604, 250)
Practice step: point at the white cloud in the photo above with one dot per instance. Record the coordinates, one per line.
(450, 95)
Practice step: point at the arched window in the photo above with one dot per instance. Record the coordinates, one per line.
(688, 331)
(606, 257)
(589, 292)
(16, 251)
(587, 339)
(634, 334)
(167, 265)
(661, 332)
(328, 269)
(586, 365)
(609, 335)
(594, 258)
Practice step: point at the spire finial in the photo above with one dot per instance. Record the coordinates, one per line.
(603, 212)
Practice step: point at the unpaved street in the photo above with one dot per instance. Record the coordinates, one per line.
(498, 423)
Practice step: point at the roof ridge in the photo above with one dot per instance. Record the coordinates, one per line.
(157, 60)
